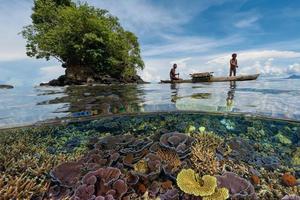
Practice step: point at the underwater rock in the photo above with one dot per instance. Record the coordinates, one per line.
(67, 174)
(239, 188)
(177, 141)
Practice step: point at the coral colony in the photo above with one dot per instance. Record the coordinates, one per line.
(167, 157)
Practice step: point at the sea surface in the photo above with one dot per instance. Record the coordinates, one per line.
(148, 141)
(270, 97)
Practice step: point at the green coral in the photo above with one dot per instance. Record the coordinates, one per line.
(296, 157)
(283, 139)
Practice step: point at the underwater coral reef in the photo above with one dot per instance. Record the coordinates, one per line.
(165, 156)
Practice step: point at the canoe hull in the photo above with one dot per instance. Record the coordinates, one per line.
(216, 79)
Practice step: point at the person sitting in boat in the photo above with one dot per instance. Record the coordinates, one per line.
(233, 65)
(173, 75)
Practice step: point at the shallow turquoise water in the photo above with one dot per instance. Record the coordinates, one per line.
(272, 97)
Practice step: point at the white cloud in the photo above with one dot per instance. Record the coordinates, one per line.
(141, 16)
(13, 16)
(244, 23)
(148, 18)
(254, 55)
(269, 62)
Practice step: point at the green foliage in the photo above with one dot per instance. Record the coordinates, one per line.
(82, 36)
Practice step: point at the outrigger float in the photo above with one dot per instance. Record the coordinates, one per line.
(208, 77)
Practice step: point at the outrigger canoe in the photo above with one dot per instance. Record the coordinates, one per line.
(214, 79)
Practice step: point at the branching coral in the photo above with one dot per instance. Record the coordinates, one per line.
(25, 161)
(169, 157)
(21, 187)
(203, 154)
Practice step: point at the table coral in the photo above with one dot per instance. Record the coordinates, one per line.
(220, 194)
(102, 183)
(189, 182)
(238, 187)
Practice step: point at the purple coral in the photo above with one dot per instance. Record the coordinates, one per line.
(170, 195)
(291, 197)
(67, 174)
(104, 183)
(177, 141)
(239, 188)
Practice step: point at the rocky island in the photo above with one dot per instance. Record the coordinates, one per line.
(89, 42)
(3, 86)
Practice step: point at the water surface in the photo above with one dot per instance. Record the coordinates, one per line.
(272, 97)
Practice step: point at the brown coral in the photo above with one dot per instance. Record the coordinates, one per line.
(169, 157)
(203, 154)
(255, 180)
(289, 180)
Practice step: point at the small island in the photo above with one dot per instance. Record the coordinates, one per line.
(4, 86)
(89, 42)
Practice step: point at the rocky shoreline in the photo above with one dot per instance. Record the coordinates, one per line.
(79, 76)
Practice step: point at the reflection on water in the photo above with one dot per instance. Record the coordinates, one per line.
(230, 95)
(267, 97)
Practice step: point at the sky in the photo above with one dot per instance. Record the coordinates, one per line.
(197, 35)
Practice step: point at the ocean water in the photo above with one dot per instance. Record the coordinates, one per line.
(141, 138)
(270, 97)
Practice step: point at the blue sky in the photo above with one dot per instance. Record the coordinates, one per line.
(198, 35)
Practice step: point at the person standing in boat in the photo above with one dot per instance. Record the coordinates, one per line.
(173, 75)
(233, 65)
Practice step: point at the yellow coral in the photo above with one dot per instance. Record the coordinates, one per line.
(220, 194)
(189, 182)
(141, 167)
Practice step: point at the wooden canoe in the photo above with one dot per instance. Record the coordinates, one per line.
(216, 79)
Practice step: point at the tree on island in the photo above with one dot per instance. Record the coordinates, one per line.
(89, 42)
